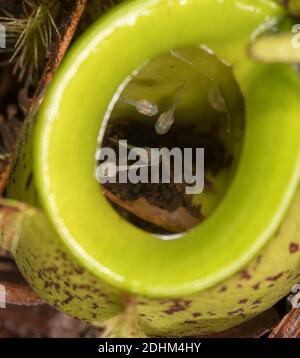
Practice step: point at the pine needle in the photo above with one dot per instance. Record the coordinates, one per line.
(29, 37)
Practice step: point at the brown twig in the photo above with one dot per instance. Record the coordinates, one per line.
(40, 321)
(17, 290)
(70, 16)
(289, 327)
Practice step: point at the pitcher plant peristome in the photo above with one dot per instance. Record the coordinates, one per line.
(76, 251)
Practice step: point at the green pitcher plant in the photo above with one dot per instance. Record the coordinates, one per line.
(84, 259)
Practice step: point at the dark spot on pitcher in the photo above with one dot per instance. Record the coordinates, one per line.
(293, 247)
(222, 289)
(242, 301)
(274, 278)
(177, 306)
(236, 312)
(256, 286)
(211, 313)
(245, 275)
(196, 314)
